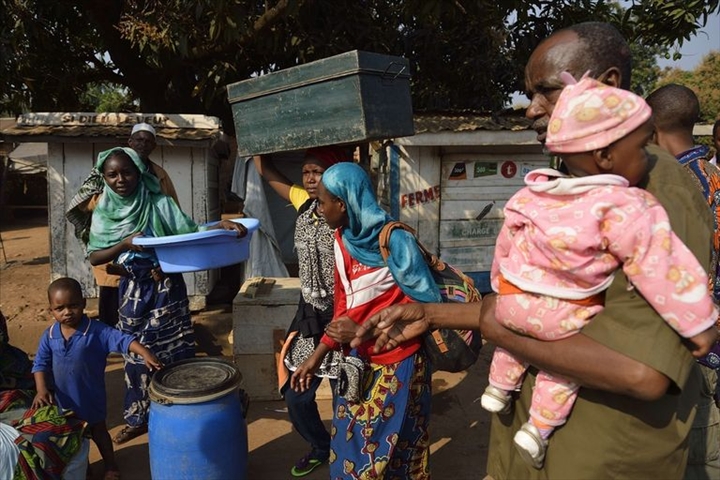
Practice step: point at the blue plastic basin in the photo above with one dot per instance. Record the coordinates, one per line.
(191, 252)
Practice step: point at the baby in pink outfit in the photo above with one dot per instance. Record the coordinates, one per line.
(565, 237)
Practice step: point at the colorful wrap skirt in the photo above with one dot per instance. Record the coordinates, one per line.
(385, 435)
(48, 437)
(157, 313)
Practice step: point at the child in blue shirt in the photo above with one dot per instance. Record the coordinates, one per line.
(69, 367)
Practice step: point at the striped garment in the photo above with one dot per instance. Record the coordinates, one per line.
(48, 437)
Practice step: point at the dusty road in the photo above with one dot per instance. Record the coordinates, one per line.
(459, 427)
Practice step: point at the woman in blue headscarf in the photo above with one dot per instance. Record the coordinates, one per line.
(153, 304)
(384, 434)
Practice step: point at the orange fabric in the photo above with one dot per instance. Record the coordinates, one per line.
(103, 278)
(507, 288)
(283, 373)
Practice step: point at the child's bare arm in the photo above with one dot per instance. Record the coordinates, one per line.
(151, 361)
(701, 343)
(99, 257)
(44, 396)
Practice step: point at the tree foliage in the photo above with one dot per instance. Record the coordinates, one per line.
(177, 56)
(103, 97)
(703, 80)
(646, 71)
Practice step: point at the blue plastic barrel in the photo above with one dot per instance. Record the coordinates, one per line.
(197, 429)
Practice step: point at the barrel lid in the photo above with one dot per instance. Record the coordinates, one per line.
(194, 380)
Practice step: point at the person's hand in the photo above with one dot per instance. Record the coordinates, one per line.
(341, 329)
(230, 225)
(151, 361)
(129, 245)
(116, 269)
(157, 274)
(42, 399)
(392, 326)
(303, 375)
(702, 343)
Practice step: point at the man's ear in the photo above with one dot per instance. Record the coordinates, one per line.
(603, 159)
(611, 77)
(655, 138)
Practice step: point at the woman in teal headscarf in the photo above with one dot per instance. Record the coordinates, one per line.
(153, 304)
(384, 434)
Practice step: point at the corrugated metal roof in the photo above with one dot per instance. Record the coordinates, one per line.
(105, 131)
(116, 126)
(512, 121)
(434, 123)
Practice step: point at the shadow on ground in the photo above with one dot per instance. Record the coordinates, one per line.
(459, 431)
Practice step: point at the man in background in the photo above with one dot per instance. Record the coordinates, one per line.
(676, 109)
(142, 140)
(716, 141)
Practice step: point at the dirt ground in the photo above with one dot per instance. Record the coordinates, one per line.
(459, 427)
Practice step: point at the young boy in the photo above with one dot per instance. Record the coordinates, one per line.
(70, 364)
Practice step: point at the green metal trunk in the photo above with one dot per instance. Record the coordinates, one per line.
(348, 98)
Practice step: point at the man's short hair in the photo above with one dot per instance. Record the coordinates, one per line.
(67, 284)
(606, 48)
(716, 127)
(676, 108)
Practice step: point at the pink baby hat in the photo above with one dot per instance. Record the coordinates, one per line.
(590, 115)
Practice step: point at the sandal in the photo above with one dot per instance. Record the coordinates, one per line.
(128, 433)
(305, 465)
(112, 475)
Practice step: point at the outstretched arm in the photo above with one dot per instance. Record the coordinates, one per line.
(279, 182)
(151, 361)
(578, 358)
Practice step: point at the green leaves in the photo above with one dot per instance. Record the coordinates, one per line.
(178, 55)
(703, 80)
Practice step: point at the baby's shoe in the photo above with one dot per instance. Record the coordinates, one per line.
(531, 445)
(496, 400)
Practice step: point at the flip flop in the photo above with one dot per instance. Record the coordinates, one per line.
(306, 465)
(128, 433)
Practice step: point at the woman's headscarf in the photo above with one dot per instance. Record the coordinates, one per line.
(328, 156)
(145, 210)
(361, 236)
